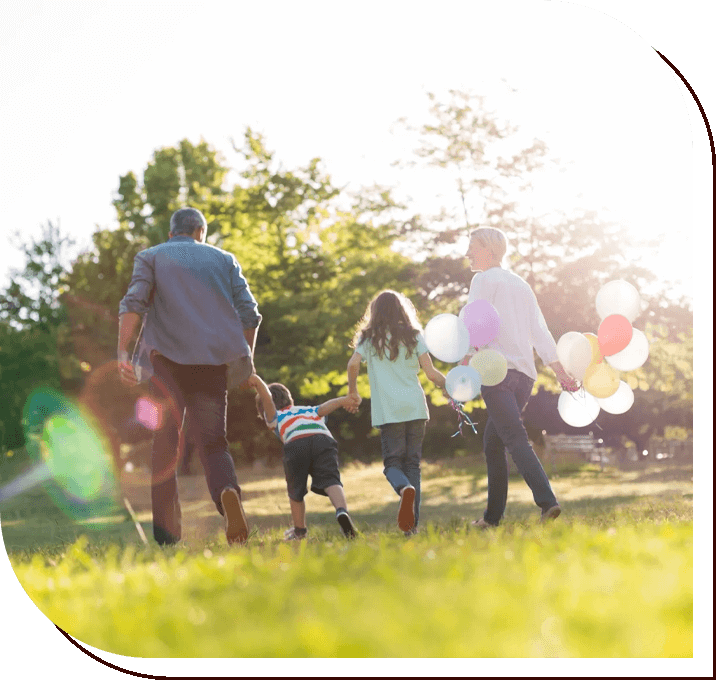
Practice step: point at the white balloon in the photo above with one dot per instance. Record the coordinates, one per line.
(578, 409)
(618, 297)
(633, 355)
(574, 352)
(447, 338)
(620, 402)
(463, 383)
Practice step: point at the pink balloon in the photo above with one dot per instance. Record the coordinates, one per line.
(614, 334)
(482, 321)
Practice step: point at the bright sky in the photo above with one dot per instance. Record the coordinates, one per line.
(91, 89)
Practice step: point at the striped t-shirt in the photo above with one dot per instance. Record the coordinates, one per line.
(295, 422)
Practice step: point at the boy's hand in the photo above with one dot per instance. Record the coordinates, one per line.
(253, 380)
(352, 402)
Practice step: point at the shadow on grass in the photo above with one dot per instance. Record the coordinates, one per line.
(51, 539)
(33, 523)
(667, 474)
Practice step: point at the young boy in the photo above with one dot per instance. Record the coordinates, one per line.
(308, 448)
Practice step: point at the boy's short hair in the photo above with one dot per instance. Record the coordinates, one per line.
(492, 238)
(280, 395)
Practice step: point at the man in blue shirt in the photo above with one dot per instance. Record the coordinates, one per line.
(199, 317)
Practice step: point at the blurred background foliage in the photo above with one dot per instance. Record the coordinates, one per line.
(314, 255)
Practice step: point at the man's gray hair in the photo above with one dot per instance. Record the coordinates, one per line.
(186, 221)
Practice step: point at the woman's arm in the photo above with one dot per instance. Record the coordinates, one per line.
(265, 396)
(568, 383)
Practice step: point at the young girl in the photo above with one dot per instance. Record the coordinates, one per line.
(390, 341)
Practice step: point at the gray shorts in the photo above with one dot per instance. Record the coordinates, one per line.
(317, 456)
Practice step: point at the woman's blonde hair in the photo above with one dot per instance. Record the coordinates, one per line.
(493, 239)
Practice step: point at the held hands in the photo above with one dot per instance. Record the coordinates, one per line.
(253, 380)
(352, 402)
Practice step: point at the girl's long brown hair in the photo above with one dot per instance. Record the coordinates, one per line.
(389, 314)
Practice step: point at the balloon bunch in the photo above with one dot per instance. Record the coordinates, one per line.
(598, 360)
(450, 338)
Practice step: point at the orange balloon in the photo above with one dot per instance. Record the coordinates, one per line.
(614, 334)
(594, 342)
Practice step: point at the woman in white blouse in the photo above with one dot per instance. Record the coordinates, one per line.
(522, 329)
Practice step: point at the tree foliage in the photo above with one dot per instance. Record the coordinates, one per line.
(315, 255)
(35, 343)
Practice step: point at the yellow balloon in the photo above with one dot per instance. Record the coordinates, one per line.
(594, 342)
(601, 380)
(491, 366)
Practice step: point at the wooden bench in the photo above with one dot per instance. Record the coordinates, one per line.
(570, 447)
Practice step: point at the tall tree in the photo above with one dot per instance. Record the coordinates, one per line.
(35, 343)
(565, 256)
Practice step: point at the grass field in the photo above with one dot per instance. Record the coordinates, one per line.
(612, 577)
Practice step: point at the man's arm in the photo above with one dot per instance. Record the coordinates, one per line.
(132, 307)
(128, 325)
(245, 304)
(250, 335)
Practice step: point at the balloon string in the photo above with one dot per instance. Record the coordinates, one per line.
(462, 418)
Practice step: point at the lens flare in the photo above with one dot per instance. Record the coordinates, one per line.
(147, 412)
(80, 477)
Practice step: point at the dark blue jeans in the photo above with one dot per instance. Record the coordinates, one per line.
(505, 431)
(402, 445)
(191, 402)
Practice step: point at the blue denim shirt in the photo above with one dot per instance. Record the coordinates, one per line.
(196, 300)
